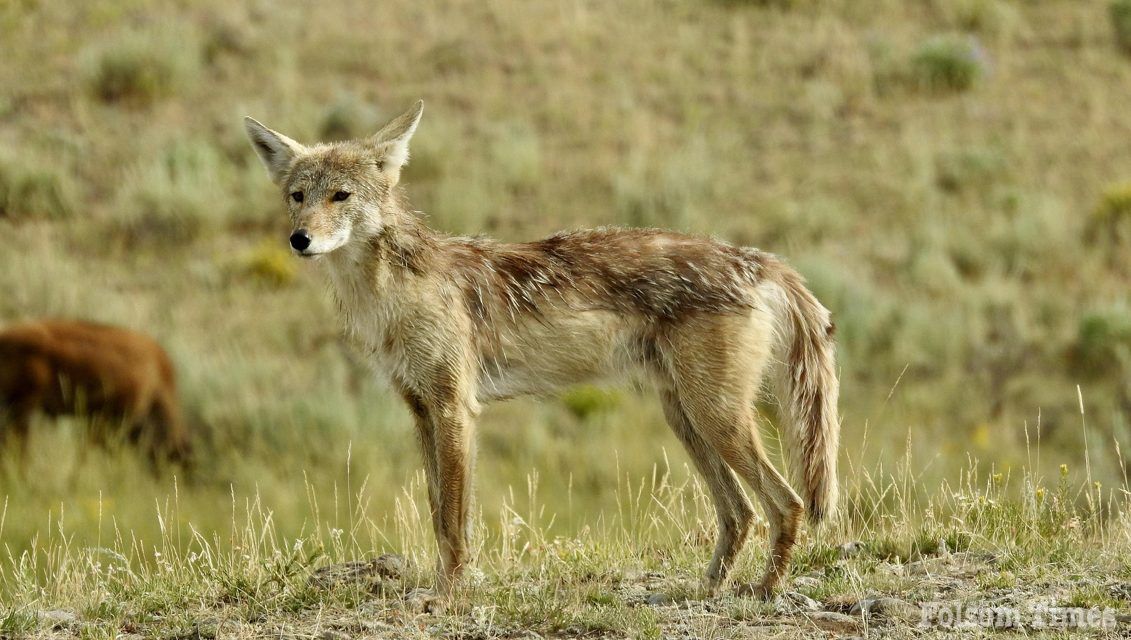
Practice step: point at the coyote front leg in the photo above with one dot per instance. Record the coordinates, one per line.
(444, 432)
(425, 437)
(452, 441)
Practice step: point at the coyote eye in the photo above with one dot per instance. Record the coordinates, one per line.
(341, 195)
(296, 196)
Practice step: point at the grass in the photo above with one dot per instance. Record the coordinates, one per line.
(946, 174)
(974, 541)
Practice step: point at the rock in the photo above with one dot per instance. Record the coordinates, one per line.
(57, 618)
(891, 568)
(793, 602)
(389, 566)
(806, 582)
(1121, 590)
(422, 600)
(834, 622)
(851, 549)
(889, 608)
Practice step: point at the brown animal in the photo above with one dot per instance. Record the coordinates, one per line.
(457, 322)
(122, 378)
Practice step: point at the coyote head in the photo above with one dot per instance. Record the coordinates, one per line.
(335, 192)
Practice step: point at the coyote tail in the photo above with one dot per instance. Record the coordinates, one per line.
(807, 390)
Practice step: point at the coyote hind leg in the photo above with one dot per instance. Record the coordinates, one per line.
(733, 435)
(732, 507)
(717, 366)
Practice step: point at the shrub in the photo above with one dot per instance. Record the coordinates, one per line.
(986, 16)
(516, 157)
(664, 193)
(587, 401)
(1121, 21)
(225, 36)
(1111, 219)
(1103, 343)
(968, 169)
(948, 63)
(347, 118)
(175, 198)
(140, 68)
(271, 264)
(32, 191)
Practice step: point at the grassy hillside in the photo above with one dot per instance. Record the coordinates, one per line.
(952, 176)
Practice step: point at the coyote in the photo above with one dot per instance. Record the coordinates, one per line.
(121, 377)
(456, 322)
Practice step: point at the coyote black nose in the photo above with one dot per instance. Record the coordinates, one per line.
(300, 240)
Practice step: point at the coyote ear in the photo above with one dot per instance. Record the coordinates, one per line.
(391, 141)
(274, 149)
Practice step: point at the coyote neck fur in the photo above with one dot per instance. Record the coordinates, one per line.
(368, 273)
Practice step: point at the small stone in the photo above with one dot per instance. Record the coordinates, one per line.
(834, 622)
(390, 565)
(806, 582)
(373, 573)
(793, 602)
(891, 568)
(1121, 590)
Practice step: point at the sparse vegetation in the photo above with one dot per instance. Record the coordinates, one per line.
(30, 190)
(949, 63)
(139, 67)
(176, 197)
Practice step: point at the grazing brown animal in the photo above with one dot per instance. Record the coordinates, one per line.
(122, 378)
(457, 322)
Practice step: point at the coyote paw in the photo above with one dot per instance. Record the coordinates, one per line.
(756, 590)
(424, 601)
